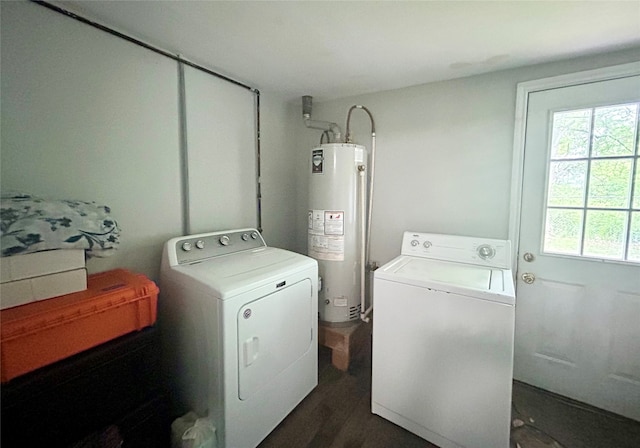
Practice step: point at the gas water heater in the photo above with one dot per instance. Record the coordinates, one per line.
(337, 203)
(339, 229)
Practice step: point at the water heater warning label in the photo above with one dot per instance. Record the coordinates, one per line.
(326, 234)
(334, 223)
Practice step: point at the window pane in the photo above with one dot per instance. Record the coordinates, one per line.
(563, 231)
(634, 240)
(605, 234)
(610, 183)
(614, 130)
(571, 134)
(567, 181)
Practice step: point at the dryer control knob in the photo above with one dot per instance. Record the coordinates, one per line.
(186, 246)
(254, 235)
(414, 243)
(486, 252)
(245, 236)
(200, 244)
(224, 240)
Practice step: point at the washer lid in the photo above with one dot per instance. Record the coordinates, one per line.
(239, 272)
(467, 279)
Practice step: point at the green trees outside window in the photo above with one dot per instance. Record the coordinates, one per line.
(593, 191)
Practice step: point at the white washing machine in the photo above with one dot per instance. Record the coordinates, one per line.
(239, 324)
(444, 313)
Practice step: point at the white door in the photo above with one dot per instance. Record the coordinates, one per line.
(578, 273)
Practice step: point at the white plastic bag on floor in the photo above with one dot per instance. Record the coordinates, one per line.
(190, 431)
(201, 435)
(179, 426)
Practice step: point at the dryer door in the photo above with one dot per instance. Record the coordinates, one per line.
(273, 332)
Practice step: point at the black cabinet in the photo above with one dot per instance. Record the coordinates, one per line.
(117, 383)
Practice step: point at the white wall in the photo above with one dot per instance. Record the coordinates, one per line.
(76, 125)
(280, 172)
(89, 116)
(221, 140)
(444, 152)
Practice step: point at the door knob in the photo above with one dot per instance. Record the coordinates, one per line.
(528, 278)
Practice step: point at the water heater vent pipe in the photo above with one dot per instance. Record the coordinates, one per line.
(326, 126)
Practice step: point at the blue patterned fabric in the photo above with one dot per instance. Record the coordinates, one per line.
(32, 224)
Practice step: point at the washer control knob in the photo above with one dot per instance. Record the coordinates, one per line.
(254, 235)
(427, 244)
(186, 246)
(245, 236)
(486, 252)
(224, 240)
(414, 243)
(200, 244)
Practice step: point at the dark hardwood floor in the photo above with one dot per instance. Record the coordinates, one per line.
(337, 414)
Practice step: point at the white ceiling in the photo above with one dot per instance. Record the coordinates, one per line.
(332, 49)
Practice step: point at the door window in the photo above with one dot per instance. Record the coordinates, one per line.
(593, 184)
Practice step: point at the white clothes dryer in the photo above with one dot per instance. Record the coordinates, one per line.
(239, 324)
(443, 329)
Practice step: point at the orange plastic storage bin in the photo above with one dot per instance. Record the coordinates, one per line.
(36, 334)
